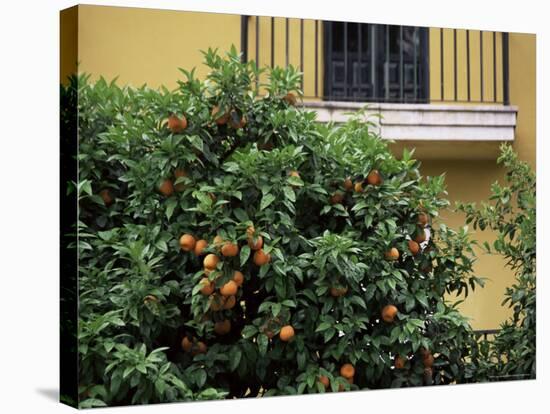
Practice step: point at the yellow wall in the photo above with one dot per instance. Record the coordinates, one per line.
(68, 42)
(147, 46)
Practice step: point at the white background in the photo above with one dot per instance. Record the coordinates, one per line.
(29, 55)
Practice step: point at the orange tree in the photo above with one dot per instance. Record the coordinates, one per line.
(232, 246)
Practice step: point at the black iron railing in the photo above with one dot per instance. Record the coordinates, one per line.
(485, 333)
(383, 63)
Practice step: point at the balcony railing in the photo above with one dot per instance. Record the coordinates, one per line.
(343, 61)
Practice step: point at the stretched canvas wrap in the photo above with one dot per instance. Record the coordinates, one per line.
(256, 206)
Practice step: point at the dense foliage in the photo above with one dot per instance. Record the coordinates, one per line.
(323, 266)
(511, 214)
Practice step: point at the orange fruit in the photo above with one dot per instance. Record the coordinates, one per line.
(211, 261)
(323, 379)
(233, 123)
(238, 278)
(222, 327)
(392, 254)
(149, 298)
(216, 302)
(186, 344)
(423, 219)
(220, 120)
(348, 184)
(255, 243)
(229, 289)
(420, 236)
(218, 240)
(290, 99)
(200, 245)
(414, 247)
(230, 249)
(178, 173)
(388, 313)
(286, 333)
(399, 362)
(336, 198)
(230, 302)
(261, 258)
(358, 187)
(187, 242)
(207, 286)
(347, 371)
(176, 124)
(374, 178)
(199, 348)
(428, 360)
(166, 188)
(250, 230)
(338, 291)
(105, 195)
(294, 173)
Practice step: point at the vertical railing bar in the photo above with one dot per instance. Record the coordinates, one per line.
(272, 42)
(244, 38)
(345, 59)
(287, 46)
(494, 67)
(426, 66)
(316, 57)
(505, 70)
(373, 57)
(387, 64)
(415, 64)
(257, 46)
(441, 63)
(401, 71)
(481, 64)
(455, 66)
(359, 57)
(302, 53)
(468, 62)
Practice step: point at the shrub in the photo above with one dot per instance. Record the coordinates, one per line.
(512, 215)
(320, 221)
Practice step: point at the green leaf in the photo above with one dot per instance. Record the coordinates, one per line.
(244, 255)
(170, 206)
(267, 199)
(235, 355)
(289, 193)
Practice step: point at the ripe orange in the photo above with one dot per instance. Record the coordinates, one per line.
(256, 243)
(207, 286)
(187, 242)
(423, 219)
(238, 278)
(223, 327)
(230, 249)
(220, 120)
(348, 184)
(166, 188)
(286, 333)
(358, 187)
(199, 348)
(216, 302)
(178, 173)
(420, 236)
(388, 313)
(250, 230)
(218, 241)
(428, 360)
(290, 99)
(336, 198)
(200, 245)
(229, 289)
(392, 254)
(211, 261)
(294, 173)
(230, 302)
(347, 371)
(261, 258)
(105, 195)
(414, 247)
(323, 379)
(338, 291)
(399, 362)
(176, 124)
(186, 344)
(149, 298)
(374, 178)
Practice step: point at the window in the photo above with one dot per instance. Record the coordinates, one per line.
(371, 62)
